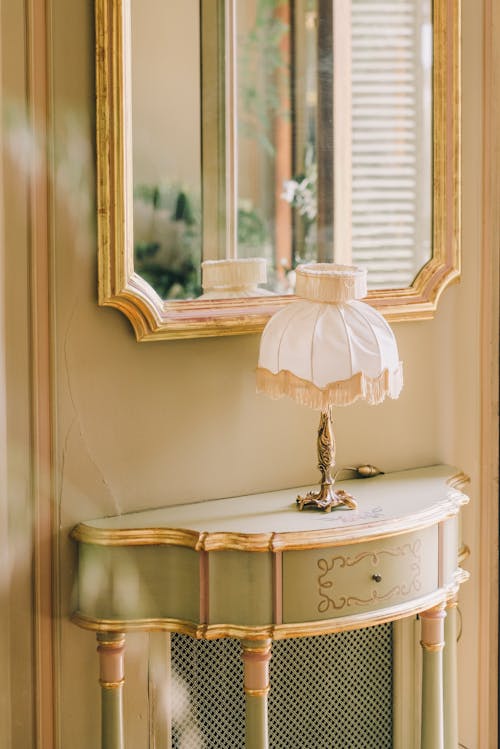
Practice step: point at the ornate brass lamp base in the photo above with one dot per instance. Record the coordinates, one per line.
(327, 498)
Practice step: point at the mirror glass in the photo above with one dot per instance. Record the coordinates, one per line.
(330, 157)
(166, 145)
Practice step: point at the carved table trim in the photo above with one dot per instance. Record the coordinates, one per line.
(255, 569)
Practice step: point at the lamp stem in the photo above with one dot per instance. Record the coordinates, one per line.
(327, 497)
(326, 448)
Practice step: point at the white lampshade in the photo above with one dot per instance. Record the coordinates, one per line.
(328, 348)
(234, 278)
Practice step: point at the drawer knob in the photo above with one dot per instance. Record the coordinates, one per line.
(377, 578)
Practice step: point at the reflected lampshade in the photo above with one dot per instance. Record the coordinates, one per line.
(234, 278)
(327, 347)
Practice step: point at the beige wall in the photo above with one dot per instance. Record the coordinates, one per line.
(143, 425)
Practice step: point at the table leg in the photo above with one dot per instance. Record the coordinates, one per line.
(432, 643)
(111, 647)
(256, 656)
(450, 677)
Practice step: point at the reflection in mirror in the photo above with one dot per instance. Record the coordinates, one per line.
(332, 148)
(358, 84)
(166, 145)
(392, 53)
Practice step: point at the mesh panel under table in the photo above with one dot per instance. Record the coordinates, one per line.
(327, 692)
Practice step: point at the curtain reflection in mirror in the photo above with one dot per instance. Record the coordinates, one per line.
(392, 139)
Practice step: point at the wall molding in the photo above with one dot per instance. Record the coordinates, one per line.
(40, 376)
(5, 558)
(489, 348)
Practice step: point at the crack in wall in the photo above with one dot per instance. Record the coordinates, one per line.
(76, 422)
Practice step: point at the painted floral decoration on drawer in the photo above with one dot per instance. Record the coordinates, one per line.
(411, 550)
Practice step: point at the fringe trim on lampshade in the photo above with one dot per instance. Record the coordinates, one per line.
(342, 393)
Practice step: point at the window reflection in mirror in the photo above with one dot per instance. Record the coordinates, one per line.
(392, 139)
(333, 146)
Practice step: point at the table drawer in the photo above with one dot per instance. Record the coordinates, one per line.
(345, 580)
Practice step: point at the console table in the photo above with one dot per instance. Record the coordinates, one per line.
(257, 569)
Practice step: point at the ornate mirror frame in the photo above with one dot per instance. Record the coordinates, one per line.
(155, 319)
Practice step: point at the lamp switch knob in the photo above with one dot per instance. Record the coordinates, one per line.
(377, 578)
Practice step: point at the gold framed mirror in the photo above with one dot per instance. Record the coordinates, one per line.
(202, 212)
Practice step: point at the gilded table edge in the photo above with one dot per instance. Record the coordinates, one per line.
(276, 541)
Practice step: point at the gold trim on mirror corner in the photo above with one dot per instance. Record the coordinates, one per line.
(155, 319)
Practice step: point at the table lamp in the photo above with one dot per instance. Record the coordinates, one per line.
(327, 349)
